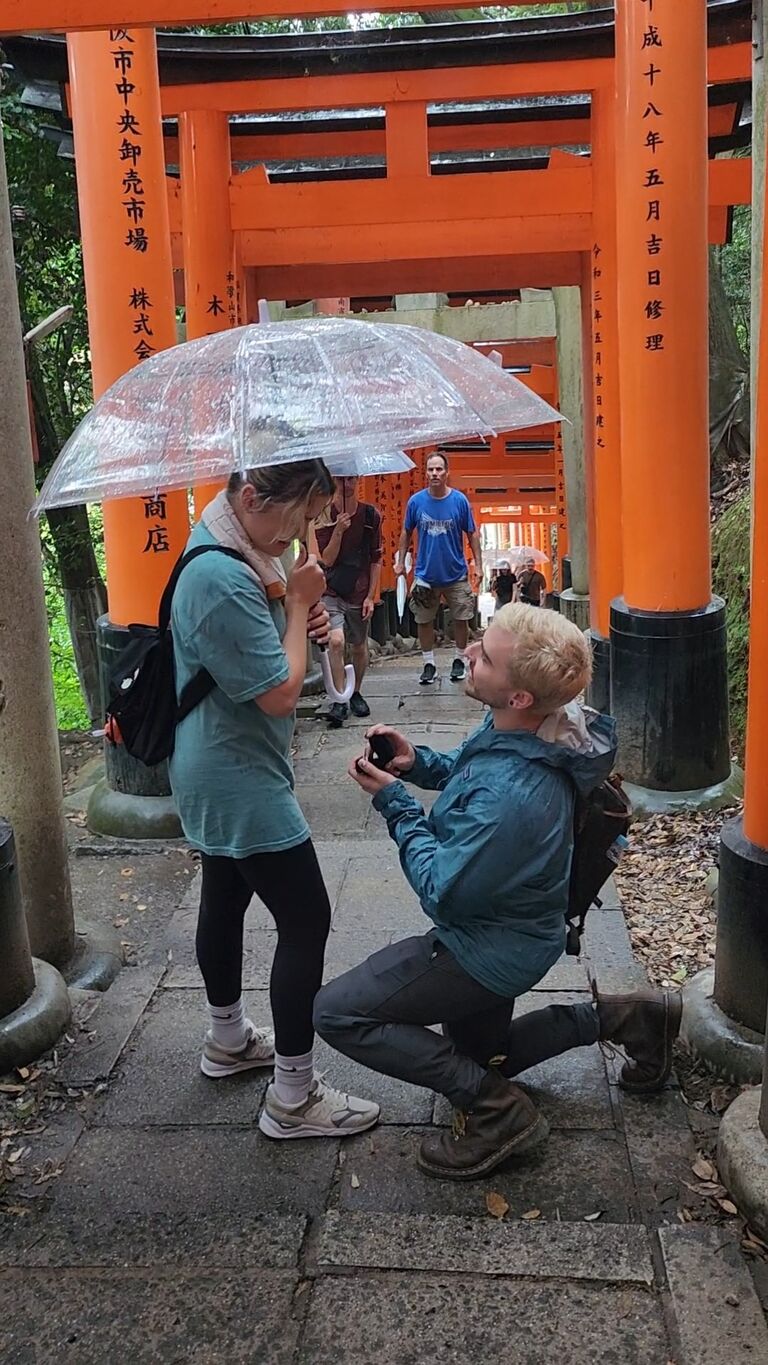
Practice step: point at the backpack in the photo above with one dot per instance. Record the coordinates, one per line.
(142, 712)
(600, 825)
(342, 576)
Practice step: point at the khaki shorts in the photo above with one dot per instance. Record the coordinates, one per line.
(459, 599)
(347, 618)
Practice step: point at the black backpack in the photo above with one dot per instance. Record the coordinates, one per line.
(142, 712)
(600, 822)
(342, 576)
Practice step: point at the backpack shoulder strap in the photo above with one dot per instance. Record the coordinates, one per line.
(166, 601)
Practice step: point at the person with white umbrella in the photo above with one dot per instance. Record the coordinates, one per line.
(232, 780)
(531, 583)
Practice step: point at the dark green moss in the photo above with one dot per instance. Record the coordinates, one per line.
(730, 562)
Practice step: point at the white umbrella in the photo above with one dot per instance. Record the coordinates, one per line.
(270, 393)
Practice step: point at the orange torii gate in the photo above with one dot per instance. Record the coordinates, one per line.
(346, 230)
(629, 223)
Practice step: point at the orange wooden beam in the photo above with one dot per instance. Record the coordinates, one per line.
(467, 274)
(439, 84)
(462, 137)
(369, 89)
(60, 16)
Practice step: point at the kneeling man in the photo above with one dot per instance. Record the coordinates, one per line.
(491, 866)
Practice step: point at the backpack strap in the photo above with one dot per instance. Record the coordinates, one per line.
(166, 601)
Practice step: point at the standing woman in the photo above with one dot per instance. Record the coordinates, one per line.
(233, 782)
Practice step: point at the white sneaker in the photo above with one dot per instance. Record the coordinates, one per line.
(258, 1050)
(324, 1113)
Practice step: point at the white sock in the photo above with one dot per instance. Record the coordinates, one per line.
(228, 1025)
(293, 1077)
(428, 655)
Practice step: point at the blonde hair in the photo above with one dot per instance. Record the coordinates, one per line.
(551, 658)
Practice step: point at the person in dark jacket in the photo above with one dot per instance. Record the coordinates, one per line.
(491, 867)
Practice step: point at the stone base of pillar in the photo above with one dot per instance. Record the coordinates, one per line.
(669, 695)
(575, 607)
(646, 801)
(313, 682)
(741, 953)
(96, 961)
(133, 801)
(37, 1024)
(599, 690)
(742, 1159)
(125, 815)
(726, 1048)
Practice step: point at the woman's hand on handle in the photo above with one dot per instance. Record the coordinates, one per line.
(306, 582)
(319, 624)
(405, 754)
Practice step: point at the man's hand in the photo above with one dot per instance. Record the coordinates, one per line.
(319, 624)
(368, 608)
(343, 523)
(372, 780)
(405, 754)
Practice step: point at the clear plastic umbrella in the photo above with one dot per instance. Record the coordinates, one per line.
(521, 553)
(337, 388)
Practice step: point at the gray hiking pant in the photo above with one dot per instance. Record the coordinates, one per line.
(379, 1013)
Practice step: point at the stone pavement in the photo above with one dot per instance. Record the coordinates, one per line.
(178, 1233)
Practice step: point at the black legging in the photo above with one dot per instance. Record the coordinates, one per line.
(291, 886)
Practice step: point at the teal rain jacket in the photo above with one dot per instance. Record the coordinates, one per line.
(491, 863)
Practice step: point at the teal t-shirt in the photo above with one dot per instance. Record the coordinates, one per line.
(231, 770)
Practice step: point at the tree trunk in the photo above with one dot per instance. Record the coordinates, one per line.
(728, 380)
(85, 597)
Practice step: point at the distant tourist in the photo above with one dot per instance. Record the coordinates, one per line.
(441, 517)
(349, 543)
(503, 584)
(532, 585)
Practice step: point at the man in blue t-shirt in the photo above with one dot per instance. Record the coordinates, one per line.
(441, 517)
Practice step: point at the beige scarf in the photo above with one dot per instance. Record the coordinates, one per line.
(219, 519)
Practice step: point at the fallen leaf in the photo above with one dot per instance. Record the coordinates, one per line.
(17, 1210)
(721, 1097)
(592, 1217)
(496, 1204)
(371, 1146)
(704, 1169)
(12, 1089)
(728, 1206)
(530, 1215)
(354, 1181)
(120, 921)
(126, 871)
(23, 1071)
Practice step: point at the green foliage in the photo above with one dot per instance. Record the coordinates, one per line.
(734, 260)
(730, 560)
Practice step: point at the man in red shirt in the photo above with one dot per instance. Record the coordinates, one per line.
(350, 549)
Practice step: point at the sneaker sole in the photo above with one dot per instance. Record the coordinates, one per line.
(215, 1070)
(463, 678)
(674, 1014)
(427, 682)
(526, 1142)
(271, 1129)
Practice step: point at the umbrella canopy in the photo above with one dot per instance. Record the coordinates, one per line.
(521, 553)
(335, 388)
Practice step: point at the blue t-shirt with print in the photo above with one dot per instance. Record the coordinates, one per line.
(441, 524)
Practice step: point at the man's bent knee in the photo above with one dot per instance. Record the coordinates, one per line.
(328, 1019)
(336, 638)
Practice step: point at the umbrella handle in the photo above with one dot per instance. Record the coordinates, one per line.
(330, 686)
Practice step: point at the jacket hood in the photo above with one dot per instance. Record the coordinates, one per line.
(575, 738)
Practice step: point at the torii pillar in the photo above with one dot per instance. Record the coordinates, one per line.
(601, 406)
(213, 289)
(668, 646)
(725, 1015)
(131, 315)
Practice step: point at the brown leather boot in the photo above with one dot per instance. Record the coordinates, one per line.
(645, 1024)
(502, 1123)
